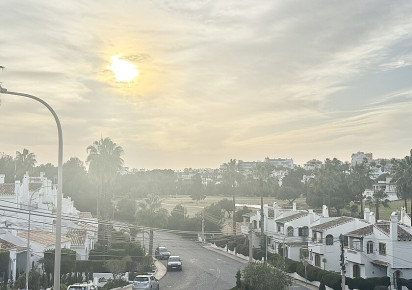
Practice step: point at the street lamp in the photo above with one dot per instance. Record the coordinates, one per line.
(57, 253)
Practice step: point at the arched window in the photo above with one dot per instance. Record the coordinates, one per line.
(356, 271)
(329, 240)
(290, 232)
(317, 260)
(369, 247)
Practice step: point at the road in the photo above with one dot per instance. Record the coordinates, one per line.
(202, 269)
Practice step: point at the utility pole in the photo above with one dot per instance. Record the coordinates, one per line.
(342, 262)
(203, 227)
(250, 244)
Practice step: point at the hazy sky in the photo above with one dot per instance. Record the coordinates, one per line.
(217, 79)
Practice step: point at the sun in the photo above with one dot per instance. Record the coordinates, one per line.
(124, 71)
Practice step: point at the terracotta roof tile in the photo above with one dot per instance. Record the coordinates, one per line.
(77, 237)
(331, 224)
(85, 215)
(402, 234)
(42, 237)
(7, 189)
(291, 217)
(362, 232)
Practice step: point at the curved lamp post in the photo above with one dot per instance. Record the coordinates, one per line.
(57, 253)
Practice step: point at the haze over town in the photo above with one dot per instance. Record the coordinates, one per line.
(216, 79)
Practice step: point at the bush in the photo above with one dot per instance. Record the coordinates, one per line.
(115, 284)
(242, 249)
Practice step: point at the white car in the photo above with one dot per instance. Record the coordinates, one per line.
(145, 282)
(174, 263)
(82, 286)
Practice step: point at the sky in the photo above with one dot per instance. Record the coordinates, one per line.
(218, 79)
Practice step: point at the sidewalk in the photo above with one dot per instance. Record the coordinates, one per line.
(299, 281)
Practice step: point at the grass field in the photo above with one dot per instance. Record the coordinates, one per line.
(194, 207)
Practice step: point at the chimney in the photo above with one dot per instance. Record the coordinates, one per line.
(311, 216)
(266, 210)
(366, 214)
(276, 211)
(372, 218)
(2, 176)
(294, 206)
(325, 211)
(393, 226)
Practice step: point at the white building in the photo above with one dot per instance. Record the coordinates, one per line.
(380, 249)
(360, 157)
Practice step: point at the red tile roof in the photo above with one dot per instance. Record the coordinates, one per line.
(7, 189)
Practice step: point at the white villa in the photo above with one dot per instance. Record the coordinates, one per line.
(37, 197)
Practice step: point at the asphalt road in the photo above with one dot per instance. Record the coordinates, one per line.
(202, 269)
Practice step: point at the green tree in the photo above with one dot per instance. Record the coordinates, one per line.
(151, 214)
(359, 180)
(257, 276)
(177, 218)
(25, 162)
(232, 175)
(104, 159)
(126, 209)
(50, 171)
(402, 177)
(379, 198)
(197, 190)
(330, 186)
(7, 167)
(77, 185)
(262, 173)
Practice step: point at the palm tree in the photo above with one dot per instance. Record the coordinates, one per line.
(232, 174)
(151, 214)
(402, 177)
(25, 162)
(262, 173)
(359, 180)
(104, 161)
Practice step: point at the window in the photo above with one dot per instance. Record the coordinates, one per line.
(329, 240)
(290, 232)
(303, 232)
(356, 245)
(345, 241)
(317, 260)
(382, 248)
(369, 247)
(356, 271)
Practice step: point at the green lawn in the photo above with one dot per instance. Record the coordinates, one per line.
(194, 207)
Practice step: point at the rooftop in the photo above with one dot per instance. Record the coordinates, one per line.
(42, 237)
(331, 224)
(292, 217)
(7, 189)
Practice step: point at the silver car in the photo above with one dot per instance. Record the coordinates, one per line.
(145, 282)
(174, 263)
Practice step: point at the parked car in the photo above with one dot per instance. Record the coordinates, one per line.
(162, 253)
(145, 282)
(174, 263)
(82, 286)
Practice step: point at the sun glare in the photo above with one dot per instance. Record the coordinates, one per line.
(124, 71)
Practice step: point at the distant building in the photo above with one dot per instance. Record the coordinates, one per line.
(312, 164)
(279, 162)
(361, 157)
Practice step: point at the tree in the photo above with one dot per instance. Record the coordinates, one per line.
(126, 209)
(232, 175)
(289, 193)
(262, 173)
(7, 167)
(402, 177)
(197, 190)
(258, 276)
(25, 162)
(177, 218)
(104, 159)
(226, 205)
(330, 186)
(77, 185)
(151, 214)
(379, 198)
(359, 180)
(50, 171)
